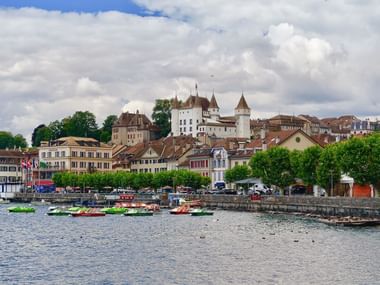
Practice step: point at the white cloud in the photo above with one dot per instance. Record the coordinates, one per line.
(314, 57)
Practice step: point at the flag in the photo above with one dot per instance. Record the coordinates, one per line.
(43, 164)
(29, 164)
(23, 164)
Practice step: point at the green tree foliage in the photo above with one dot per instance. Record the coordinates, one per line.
(56, 129)
(295, 163)
(273, 167)
(7, 140)
(107, 180)
(359, 158)
(81, 124)
(162, 116)
(328, 167)
(308, 166)
(106, 131)
(238, 172)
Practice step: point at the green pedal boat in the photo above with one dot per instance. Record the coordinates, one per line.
(59, 212)
(113, 210)
(201, 212)
(138, 213)
(18, 209)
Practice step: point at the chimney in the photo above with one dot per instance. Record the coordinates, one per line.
(262, 133)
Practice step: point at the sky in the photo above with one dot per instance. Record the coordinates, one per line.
(316, 57)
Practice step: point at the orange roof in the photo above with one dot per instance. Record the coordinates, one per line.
(242, 104)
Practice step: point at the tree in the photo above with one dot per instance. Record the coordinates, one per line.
(41, 133)
(56, 129)
(328, 169)
(295, 163)
(309, 162)
(81, 124)
(238, 172)
(162, 116)
(20, 141)
(273, 167)
(106, 131)
(7, 140)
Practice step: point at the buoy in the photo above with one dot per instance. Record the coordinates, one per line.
(263, 237)
(296, 240)
(312, 241)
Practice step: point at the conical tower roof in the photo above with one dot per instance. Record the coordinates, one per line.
(242, 104)
(197, 102)
(175, 103)
(213, 103)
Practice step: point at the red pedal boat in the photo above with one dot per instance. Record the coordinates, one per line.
(90, 213)
(181, 210)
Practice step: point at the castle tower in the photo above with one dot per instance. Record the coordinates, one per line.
(197, 114)
(175, 117)
(242, 115)
(213, 108)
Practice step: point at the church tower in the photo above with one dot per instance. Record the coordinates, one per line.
(243, 118)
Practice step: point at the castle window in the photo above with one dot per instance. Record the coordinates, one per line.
(184, 129)
(184, 122)
(191, 121)
(180, 122)
(191, 129)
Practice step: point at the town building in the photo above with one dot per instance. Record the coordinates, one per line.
(11, 176)
(291, 139)
(74, 154)
(199, 116)
(133, 128)
(159, 155)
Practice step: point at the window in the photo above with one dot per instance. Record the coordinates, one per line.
(99, 165)
(74, 154)
(106, 165)
(74, 164)
(56, 154)
(191, 121)
(49, 154)
(63, 153)
(82, 164)
(63, 165)
(184, 129)
(184, 122)
(106, 155)
(82, 154)
(180, 122)
(90, 154)
(43, 154)
(98, 155)
(190, 129)
(180, 130)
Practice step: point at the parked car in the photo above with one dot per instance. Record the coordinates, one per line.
(260, 188)
(296, 190)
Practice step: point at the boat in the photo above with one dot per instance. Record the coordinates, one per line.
(153, 207)
(40, 203)
(113, 210)
(201, 212)
(138, 213)
(4, 201)
(76, 209)
(88, 213)
(18, 209)
(181, 210)
(59, 212)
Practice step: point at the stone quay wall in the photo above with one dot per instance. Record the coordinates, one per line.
(325, 206)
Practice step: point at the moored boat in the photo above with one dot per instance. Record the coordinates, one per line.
(201, 212)
(18, 209)
(59, 212)
(153, 207)
(113, 210)
(4, 201)
(138, 213)
(181, 210)
(88, 213)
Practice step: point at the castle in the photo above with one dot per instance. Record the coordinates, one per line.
(198, 116)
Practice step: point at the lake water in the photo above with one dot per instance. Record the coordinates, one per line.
(227, 248)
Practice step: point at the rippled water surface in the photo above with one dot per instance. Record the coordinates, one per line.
(227, 248)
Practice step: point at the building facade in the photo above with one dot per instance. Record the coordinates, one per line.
(197, 116)
(74, 154)
(11, 175)
(131, 129)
